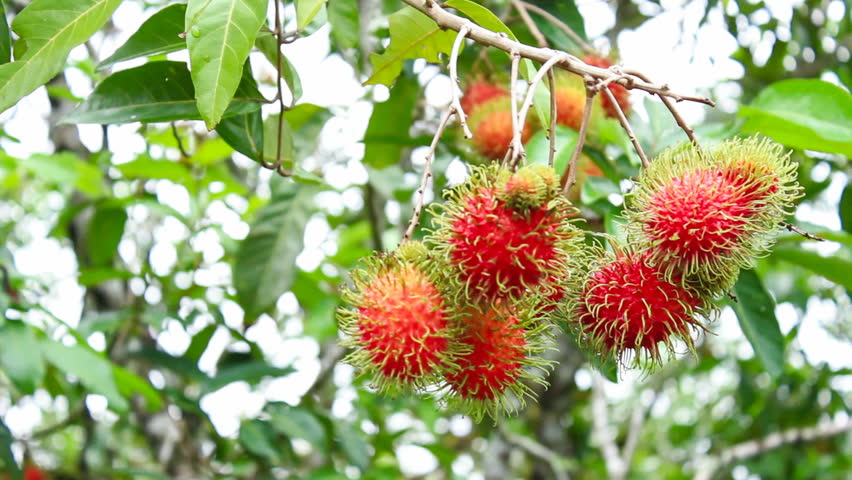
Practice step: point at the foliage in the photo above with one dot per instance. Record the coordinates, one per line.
(169, 278)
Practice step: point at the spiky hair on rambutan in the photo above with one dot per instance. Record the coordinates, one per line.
(629, 308)
(479, 92)
(491, 125)
(504, 360)
(398, 323)
(706, 215)
(494, 251)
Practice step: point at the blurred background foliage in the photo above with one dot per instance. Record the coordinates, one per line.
(168, 305)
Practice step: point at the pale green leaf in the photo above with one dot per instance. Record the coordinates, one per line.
(92, 370)
(413, 35)
(306, 10)
(756, 313)
(220, 35)
(835, 268)
(48, 30)
(20, 357)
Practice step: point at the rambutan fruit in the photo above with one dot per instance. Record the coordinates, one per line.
(495, 251)
(530, 187)
(706, 216)
(33, 473)
(491, 124)
(480, 92)
(628, 304)
(570, 105)
(398, 323)
(621, 94)
(505, 345)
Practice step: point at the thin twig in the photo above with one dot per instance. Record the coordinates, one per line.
(551, 129)
(525, 16)
(454, 77)
(490, 38)
(528, 101)
(569, 177)
(587, 49)
(795, 229)
(668, 103)
(706, 467)
(280, 39)
(511, 153)
(179, 141)
(424, 180)
(539, 451)
(626, 126)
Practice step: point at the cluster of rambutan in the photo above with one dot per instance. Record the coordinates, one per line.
(467, 313)
(490, 118)
(463, 314)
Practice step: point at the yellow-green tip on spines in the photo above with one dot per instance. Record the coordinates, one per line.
(704, 216)
(398, 323)
(530, 187)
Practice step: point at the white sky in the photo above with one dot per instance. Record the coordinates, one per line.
(698, 63)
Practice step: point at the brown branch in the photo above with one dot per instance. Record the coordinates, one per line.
(511, 153)
(551, 129)
(569, 177)
(627, 128)
(795, 229)
(280, 39)
(568, 62)
(587, 49)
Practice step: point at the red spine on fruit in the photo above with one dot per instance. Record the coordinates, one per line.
(480, 92)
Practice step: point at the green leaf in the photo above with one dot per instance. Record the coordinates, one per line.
(756, 313)
(250, 372)
(48, 30)
(66, 168)
(161, 33)
(388, 131)
(345, 23)
(94, 371)
(807, 114)
(567, 11)
(297, 422)
(244, 133)
(20, 357)
(258, 438)
(845, 208)
(485, 18)
(268, 44)
(306, 120)
(264, 267)
(105, 231)
(199, 342)
(129, 383)
(272, 134)
(835, 268)
(412, 35)
(354, 445)
(6, 453)
(220, 35)
(146, 167)
(5, 37)
(306, 10)
(95, 276)
(154, 92)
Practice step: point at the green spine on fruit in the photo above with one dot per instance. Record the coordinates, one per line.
(530, 187)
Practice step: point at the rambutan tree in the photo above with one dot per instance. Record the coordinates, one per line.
(322, 239)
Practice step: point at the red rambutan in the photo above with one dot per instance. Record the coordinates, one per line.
(627, 304)
(491, 124)
(496, 251)
(707, 216)
(622, 96)
(34, 473)
(570, 104)
(480, 92)
(399, 325)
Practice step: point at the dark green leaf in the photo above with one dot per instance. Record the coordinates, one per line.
(833, 268)
(154, 92)
(354, 445)
(566, 11)
(95, 276)
(179, 365)
(808, 114)
(413, 35)
(199, 343)
(264, 267)
(161, 33)
(48, 30)
(20, 356)
(251, 372)
(845, 208)
(105, 231)
(94, 371)
(6, 453)
(258, 438)
(277, 129)
(297, 422)
(244, 133)
(756, 313)
(129, 383)
(306, 10)
(388, 130)
(5, 37)
(220, 35)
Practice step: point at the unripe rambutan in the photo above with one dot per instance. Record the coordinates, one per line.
(621, 94)
(626, 303)
(530, 187)
(504, 348)
(398, 322)
(491, 124)
(495, 251)
(480, 92)
(706, 217)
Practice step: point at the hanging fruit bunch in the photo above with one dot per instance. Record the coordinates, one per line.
(467, 313)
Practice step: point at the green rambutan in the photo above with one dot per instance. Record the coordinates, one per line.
(530, 187)
(706, 216)
(495, 251)
(398, 323)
